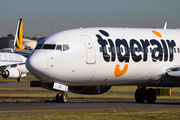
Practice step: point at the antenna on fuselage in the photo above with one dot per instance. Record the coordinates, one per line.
(165, 25)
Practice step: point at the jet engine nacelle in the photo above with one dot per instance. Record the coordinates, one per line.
(89, 89)
(11, 73)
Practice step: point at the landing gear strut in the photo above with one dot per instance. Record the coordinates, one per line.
(18, 79)
(142, 94)
(62, 98)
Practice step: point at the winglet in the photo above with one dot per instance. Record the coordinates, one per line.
(165, 25)
(18, 41)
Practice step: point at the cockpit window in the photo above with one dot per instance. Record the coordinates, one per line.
(65, 47)
(38, 46)
(59, 47)
(49, 46)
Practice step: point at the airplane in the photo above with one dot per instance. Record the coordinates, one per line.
(91, 60)
(12, 65)
(18, 41)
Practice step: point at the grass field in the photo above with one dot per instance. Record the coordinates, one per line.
(24, 79)
(112, 114)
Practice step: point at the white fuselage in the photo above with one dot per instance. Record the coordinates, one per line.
(92, 56)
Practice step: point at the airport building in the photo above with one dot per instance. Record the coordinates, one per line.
(27, 43)
(4, 42)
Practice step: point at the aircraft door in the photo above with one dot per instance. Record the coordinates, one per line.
(90, 51)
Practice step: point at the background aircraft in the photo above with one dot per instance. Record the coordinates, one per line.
(91, 60)
(12, 65)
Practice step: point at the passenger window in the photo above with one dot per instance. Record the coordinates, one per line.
(59, 47)
(174, 50)
(154, 50)
(171, 51)
(121, 49)
(178, 50)
(117, 50)
(38, 46)
(65, 47)
(49, 46)
(125, 50)
(134, 50)
(163, 50)
(105, 50)
(113, 49)
(151, 50)
(138, 49)
(142, 49)
(109, 49)
(147, 50)
(100, 49)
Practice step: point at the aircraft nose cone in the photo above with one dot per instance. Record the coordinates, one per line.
(37, 63)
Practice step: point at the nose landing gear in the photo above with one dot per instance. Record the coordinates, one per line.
(62, 98)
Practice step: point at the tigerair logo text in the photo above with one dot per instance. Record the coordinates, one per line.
(160, 50)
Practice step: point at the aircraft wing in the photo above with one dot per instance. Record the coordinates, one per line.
(4, 66)
(23, 52)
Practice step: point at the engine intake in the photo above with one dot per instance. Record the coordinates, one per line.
(11, 73)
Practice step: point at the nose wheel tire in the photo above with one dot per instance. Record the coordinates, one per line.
(64, 98)
(61, 98)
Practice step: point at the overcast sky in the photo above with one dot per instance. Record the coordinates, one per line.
(44, 17)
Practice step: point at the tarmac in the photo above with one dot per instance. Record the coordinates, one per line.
(78, 105)
(86, 105)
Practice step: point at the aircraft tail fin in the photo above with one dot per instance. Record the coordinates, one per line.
(165, 25)
(18, 41)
